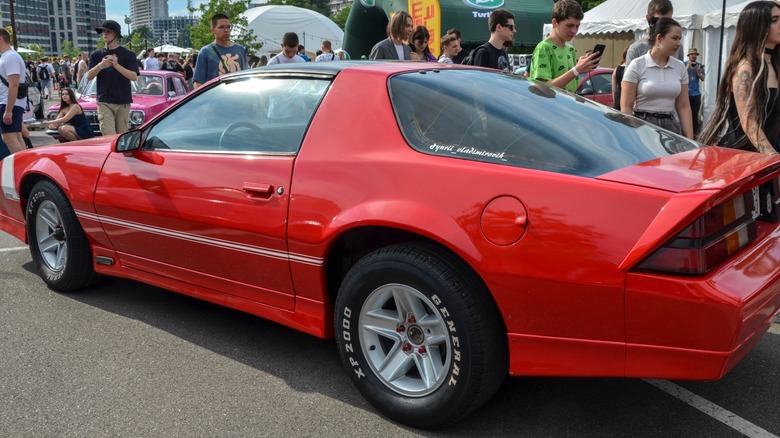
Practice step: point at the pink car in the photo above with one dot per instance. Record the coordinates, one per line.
(153, 92)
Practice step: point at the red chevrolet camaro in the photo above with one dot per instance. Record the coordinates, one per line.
(447, 225)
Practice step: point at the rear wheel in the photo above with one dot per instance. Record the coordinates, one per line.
(420, 335)
(58, 246)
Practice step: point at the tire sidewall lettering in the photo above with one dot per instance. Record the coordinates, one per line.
(349, 350)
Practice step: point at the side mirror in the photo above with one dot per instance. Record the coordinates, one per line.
(171, 94)
(585, 91)
(129, 141)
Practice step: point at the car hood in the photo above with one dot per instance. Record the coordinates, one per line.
(710, 167)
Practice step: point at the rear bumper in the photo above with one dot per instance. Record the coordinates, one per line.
(699, 328)
(676, 327)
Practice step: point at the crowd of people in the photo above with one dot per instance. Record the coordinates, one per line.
(653, 80)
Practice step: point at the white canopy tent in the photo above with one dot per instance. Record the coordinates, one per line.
(270, 23)
(630, 15)
(170, 48)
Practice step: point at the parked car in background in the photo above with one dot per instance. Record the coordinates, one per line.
(597, 85)
(450, 237)
(153, 92)
(34, 110)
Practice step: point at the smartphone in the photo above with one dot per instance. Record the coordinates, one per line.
(599, 48)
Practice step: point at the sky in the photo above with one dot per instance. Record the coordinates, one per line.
(117, 9)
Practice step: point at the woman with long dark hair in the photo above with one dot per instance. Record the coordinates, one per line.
(655, 85)
(71, 122)
(419, 45)
(748, 108)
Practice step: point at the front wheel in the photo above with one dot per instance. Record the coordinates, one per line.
(58, 246)
(420, 335)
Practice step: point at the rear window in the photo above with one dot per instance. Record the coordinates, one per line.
(498, 118)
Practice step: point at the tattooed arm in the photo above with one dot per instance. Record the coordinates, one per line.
(741, 84)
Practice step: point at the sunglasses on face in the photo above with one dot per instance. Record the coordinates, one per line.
(509, 26)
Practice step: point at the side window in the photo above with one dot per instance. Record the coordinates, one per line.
(263, 115)
(181, 90)
(585, 85)
(602, 84)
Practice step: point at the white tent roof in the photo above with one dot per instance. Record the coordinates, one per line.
(270, 23)
(732, 14)
(170, 48)
(629, 15)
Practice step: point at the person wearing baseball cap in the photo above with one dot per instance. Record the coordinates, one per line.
(115, 67)
(695, 75)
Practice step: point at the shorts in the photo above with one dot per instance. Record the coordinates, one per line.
(16, 120)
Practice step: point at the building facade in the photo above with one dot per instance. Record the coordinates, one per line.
(144, 12)
(49, 23)
(167, 30)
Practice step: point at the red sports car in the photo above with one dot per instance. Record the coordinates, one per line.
(448, 225)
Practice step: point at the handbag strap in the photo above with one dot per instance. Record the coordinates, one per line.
(221, 61)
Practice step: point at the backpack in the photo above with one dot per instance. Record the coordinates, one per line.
(469, 60)
(44, 74)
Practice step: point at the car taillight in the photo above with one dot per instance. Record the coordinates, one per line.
(711, 239)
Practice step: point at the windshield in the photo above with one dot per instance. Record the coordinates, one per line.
(509, 120)
(143, 82)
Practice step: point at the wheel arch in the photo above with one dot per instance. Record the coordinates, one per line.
(29, 181)
(43, 169)
(353, 244)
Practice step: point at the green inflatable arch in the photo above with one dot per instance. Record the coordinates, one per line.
(368, 20)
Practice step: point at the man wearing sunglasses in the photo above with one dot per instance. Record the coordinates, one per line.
(554, 58)
(502, 30)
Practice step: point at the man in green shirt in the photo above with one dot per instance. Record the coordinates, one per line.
(555, 60)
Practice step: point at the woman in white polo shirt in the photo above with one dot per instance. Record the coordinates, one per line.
(655, 86)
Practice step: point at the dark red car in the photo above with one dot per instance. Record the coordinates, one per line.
(597, 85)
(445, 234)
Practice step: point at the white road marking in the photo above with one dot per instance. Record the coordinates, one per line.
(775, 329)
(723, 415)
(17, 248)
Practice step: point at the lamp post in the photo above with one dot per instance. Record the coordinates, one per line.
(13, 23)
(128, 20)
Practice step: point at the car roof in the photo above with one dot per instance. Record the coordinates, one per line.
(159, 72)
(335, 67)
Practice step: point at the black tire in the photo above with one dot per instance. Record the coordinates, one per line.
(58, 246)
(421, 308)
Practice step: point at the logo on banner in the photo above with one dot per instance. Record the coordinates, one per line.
(484, 4)
(368, 3)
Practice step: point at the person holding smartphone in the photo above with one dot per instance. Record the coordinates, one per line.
(115, 67)
(555, 59)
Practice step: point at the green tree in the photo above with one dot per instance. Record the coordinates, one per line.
(340, 18)
(200, 34)
(140, 38)
(68, 49)
(184, 38)
(38, 51)
(320, 6)
(590, 4)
